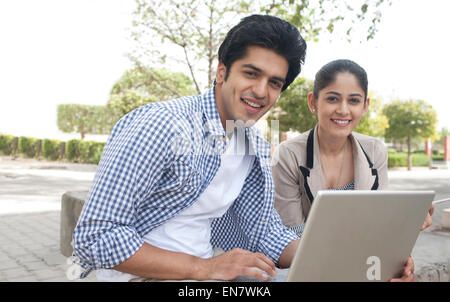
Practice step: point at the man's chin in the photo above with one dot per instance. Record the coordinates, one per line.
(241, 122)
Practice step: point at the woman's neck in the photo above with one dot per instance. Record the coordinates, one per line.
(330, 145)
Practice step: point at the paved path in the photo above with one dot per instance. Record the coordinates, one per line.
(30, 194)
(29, 248)
(30, 203)
(431, 252)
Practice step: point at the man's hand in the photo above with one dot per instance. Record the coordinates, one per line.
(238, 262)
(152, 262)
(428, 220)
(408, 272)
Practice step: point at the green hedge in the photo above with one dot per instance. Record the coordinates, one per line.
(80, 151)
(29, 146)
(8, 144)
(401, 160)
(90, 152)
(51, 149)
(438, 157)
(420, 160)
(74, 150)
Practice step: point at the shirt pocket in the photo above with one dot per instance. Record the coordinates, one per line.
(188, 177)
(182, 176)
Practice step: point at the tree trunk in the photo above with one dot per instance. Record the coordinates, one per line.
(409, 153)
(210, 47)
(430, 153)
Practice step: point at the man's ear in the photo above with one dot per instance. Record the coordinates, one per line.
(220, 73)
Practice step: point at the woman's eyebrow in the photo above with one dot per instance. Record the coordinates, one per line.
(337, 93)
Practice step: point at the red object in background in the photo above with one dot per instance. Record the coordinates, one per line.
(428, 147)
(447, 148)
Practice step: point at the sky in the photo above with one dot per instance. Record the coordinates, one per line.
(73, 51)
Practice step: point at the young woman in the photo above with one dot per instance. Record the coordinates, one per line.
(331, 155)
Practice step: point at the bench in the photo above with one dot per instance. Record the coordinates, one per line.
(71, 206)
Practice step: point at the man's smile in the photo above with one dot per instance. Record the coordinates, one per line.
(252, 105)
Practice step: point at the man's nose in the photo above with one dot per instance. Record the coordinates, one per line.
(260, 89)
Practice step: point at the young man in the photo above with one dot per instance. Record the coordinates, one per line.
(170, 186)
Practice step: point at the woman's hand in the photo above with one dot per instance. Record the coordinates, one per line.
(408, 272)
(428, 221)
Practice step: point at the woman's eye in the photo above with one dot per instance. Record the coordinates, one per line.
(332, 99)
(355, 101)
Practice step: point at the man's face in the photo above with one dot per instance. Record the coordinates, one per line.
(253, 85)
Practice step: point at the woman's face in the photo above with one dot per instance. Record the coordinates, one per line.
(339, 106)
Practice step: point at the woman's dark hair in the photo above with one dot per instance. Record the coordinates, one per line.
(268, 32)
(327, 75)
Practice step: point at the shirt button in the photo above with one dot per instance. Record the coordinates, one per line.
(264, 221)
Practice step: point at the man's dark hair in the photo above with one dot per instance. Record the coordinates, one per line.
(327, 75)
(268, 32)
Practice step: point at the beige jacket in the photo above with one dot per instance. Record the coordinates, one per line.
(297, 174)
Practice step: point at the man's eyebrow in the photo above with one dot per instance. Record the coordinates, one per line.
(252, 67)
(260, 70)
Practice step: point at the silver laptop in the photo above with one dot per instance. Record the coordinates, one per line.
(359, 235)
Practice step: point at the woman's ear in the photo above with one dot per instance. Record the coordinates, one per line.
(366, 106)
(312, 103)
(220, 73)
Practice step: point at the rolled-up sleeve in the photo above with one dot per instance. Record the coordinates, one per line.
(277, 238)
(134, 158)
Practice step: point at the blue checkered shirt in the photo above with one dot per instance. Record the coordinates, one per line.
(158, 159)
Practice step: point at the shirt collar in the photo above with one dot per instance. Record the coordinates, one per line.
(213, 124)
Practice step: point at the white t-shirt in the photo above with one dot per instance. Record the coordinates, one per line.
(189, 231)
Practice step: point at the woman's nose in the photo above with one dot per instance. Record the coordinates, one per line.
(343, 108)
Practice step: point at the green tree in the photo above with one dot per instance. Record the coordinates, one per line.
(292, 110)
(84, 119)
(140, 86)
(189, 32)
(410, 119)
(374, 123)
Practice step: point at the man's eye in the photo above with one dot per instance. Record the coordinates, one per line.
(250, 73)
(355, 101)
(277, 84)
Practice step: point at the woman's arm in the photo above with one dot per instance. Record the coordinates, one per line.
(288, 197)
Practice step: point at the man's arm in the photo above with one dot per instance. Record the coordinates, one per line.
(288, 254)
(152, 262)
(132, 163)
